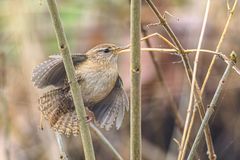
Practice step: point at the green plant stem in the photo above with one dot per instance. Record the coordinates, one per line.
(105, 141)
(135, 70)
(188, 69)
(75, 88)
(210, 111)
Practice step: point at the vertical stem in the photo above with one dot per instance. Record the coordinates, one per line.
(75, 88)
(210, 111)
(190, 117)
(135, 112)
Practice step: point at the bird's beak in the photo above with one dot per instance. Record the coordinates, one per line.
(124, 49)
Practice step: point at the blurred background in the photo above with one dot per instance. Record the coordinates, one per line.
(27, 38)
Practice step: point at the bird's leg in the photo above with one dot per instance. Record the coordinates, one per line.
(90, 116)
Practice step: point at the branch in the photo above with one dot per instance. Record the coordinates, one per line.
(75, 88)
(218, 46)
(173, 105)
(188, 51)
(135, 109)
(211, 109)
(188, 70)
(164, 23)
(191, 107)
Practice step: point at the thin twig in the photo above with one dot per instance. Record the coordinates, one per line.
(219, 45)
(61, 147)
(173, 105)
(154, 35)
(210, 110)
(163, 22)
(75, 88)
(146, 37)
(105, 141)
(135, 109)
(188, 70)
(189, 51)
(191, 114)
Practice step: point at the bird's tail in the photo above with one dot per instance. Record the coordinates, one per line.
(57, 107)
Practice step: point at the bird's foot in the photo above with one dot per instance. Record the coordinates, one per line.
(90, 116)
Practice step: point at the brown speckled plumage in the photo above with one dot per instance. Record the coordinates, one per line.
(101, 87)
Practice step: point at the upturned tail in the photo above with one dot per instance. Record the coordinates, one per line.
(57, 107)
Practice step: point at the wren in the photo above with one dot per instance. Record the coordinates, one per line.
(101, 86)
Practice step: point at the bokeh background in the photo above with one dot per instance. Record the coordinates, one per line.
(27, 38)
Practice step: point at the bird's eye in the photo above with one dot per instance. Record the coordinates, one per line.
(106, 50)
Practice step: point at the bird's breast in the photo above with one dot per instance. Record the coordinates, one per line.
(96, 81)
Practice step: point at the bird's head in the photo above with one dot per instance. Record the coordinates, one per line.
(104, 53)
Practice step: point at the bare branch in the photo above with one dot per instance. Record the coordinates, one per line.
(75, 88)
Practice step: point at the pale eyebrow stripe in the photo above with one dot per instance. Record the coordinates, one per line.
(101, 49)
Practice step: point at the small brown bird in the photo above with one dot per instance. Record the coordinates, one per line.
(101, 87)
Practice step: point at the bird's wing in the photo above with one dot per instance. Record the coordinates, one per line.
(112, 108)
(52, 71)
